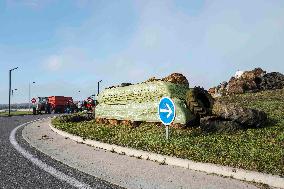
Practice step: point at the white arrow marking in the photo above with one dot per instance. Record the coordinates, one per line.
(169, 110)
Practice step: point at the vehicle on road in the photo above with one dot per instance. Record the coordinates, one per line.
(53, 104)
(89, 104)
(41, 105)
(61, 104)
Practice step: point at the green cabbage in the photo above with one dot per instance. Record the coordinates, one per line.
(140, 102)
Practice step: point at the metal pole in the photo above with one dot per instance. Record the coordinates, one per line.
(79, 95)
(10, 78)
(167, 132)
(10, 71)
(98, 88)
(29, 96)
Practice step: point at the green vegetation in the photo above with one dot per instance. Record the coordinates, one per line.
(16, 113)
(254, 149)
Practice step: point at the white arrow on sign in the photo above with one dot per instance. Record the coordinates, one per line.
(169, 110)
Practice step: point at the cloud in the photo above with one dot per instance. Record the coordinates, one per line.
(67, 60)
(131, 41)
(83, 3)
(34, 4)
(207, 46)
(54, 63)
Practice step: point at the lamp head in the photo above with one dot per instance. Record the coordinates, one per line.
(14, 68)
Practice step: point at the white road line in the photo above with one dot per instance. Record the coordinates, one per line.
(59, 175)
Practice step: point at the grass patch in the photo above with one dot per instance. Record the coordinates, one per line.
(16, 113)
(254, 149)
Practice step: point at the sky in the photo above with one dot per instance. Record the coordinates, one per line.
(67, 46)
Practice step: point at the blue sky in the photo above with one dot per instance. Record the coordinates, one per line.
(68, 45)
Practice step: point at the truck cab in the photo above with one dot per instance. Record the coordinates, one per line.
(41, 105)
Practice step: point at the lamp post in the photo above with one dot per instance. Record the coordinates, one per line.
(10, 85)
(13, 90)
(99, 86)
(30, 95)
(79, 92)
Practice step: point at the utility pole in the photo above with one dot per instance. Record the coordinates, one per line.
(99, 87)
(13, 91)
(30, 95)
(10, 92)
(79, 95)
(10, 83)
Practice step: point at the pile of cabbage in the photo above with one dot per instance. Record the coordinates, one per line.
(140, 102)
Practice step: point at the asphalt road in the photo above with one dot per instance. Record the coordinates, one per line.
(18, 172)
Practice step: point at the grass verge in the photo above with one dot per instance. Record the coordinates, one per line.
(16, 113)
(253, 149)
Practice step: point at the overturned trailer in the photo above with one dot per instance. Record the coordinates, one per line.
(139, 102)
(134, 104)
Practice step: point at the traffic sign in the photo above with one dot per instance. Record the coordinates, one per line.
(33, 100)
(167, 111)
(89, 99)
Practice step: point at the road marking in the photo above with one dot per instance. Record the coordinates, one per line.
(59, 175)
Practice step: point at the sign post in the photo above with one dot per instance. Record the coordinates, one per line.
(167, 113)
(33, 100)
(167, 132)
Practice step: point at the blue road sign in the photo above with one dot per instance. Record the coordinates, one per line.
(167, 111)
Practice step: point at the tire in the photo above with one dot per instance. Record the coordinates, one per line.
(34, 111)
(199, 101)
(248, 118)
(216, 124)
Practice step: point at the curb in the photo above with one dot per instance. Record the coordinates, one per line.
(240, 174)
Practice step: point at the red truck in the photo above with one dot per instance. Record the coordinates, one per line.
(59, 104)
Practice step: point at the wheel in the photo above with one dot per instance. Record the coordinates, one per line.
(199, 101)
(216, 124)
(48, 110)
(34, 111)
(248, 118)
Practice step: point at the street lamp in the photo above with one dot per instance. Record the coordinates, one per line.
(13, 91)
(99, 87)
(13, 96)
(79, 95)
(10, 84)
(30, 95)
